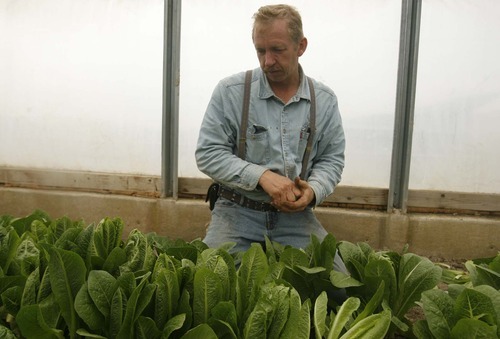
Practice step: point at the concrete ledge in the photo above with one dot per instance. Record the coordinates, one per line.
(443, 236)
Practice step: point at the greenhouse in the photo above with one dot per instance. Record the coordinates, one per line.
(101, 183)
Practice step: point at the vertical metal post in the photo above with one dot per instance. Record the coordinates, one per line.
(405, 104)
(171, 79)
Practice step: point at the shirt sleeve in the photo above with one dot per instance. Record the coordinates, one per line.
(327, 164)
(217, 141)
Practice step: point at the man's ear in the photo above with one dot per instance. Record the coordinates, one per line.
(302, 46)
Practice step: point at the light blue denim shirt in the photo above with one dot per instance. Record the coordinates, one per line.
(276, 136)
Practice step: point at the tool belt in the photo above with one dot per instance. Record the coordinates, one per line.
(217, 190)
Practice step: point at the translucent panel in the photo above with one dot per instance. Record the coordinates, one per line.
(81, 85)
(457, 111)
(353, 47)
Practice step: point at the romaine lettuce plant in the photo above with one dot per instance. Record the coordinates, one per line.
(62, 279)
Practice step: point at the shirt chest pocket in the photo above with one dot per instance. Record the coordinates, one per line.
(257, 145)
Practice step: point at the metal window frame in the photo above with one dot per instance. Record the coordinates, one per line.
(171, 82)
(405, 104)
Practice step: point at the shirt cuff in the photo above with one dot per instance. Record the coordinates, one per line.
(250, 176)
(318, 192)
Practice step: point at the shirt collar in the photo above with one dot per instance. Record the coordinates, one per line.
(266, 92)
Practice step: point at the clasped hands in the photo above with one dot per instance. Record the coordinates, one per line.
(286, 195)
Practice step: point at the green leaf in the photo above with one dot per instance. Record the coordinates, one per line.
(421, 330)
(304, 323)
(310, 270)
(481, 274)
(8, 249)
(355, 258)
(342, 317)
(135, 306)
(207, 294)
(270, 252)
(473, 329)
(293, 257)
(494, 295)
(144, 299)
(280, 317)
(416, 275)
(51, 311)
(342, 280)
(372, 305)
(475, 305)
(252, 272)
(115, 259)
(27, 256)
(185, 308)
(85, 243)
(314, 250)
(438, 309)
(145, 328)
(101, 287)
(256, 324)
(295, 325)
(67, 275)
(320, 313)
(107, 236)
(167, 295)
(379, 268)
(328, 252)
(201, 331)
(225, 313)
(174, 324)
(6, 333)
(116, 315)
(87, 310)
(10, 281)
(139, 253)
(373, 327)
(11, 299)
(32, 324)
(67, 240)
(44, 290)
(30, 288)
(86, 334)
(127, 283)
(22, 225)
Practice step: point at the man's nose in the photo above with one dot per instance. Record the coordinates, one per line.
(269, 59)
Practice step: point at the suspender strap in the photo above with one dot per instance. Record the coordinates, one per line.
(244, 122)
(312, 130)
(244, 117)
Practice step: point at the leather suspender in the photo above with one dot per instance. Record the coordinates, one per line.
(244, 122)
(312, 129)
(244, 117)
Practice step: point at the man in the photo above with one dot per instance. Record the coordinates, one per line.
(260, 192)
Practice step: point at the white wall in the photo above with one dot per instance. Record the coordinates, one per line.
(81, 83)
(456, 138)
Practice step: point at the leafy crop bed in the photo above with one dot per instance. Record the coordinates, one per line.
(64, 279)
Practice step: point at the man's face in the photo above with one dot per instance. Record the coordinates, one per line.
(278, 54)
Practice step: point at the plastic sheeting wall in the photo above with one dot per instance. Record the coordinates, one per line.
(81, 83)
(457, 111)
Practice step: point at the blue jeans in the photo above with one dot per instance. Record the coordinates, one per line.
(234, 223)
